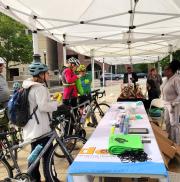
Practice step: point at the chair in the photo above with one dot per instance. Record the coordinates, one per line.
(156, 111)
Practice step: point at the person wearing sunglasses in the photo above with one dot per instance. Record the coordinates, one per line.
(4, 90)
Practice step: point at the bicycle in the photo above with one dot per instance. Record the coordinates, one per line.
(93, 110)
(52, 171)
(72, 120)
(99, 108)
(16, 135)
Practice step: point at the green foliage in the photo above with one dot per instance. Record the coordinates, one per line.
(165, 61)
(15, 45)
(176, 55)
(140, 68)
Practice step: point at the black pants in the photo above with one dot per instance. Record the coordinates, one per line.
(35, 174)
(84, 98)
(73, 103)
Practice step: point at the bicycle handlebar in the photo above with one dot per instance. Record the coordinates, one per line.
(4, 134)
(97, 93)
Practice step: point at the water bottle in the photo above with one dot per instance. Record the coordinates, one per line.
(126, 124)
(88, 110)
(121, 124)
(83, 117)
(34, 154)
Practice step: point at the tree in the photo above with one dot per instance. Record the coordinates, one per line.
(15, 44)
(165, 61)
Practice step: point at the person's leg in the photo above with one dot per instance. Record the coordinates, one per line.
(176, 127)
(73, 102)
(44, 142)
(66, 102)
(35, 174)
(167, 122)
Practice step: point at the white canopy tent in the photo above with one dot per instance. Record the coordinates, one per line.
(129, 60)
(111, 28)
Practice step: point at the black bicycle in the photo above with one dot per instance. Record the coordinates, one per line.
(53, 170)
(16, 133)
(99, 108)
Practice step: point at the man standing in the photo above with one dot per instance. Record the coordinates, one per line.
(130, 76)
(4, 90)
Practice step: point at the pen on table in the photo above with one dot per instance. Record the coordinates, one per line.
(112, 130)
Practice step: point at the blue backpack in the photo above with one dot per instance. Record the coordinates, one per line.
(19, 110)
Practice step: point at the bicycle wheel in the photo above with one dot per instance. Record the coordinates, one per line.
(71, 142)
(6, 170)
(55, 167)
(100, 110)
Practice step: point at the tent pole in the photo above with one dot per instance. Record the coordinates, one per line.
(35, 42)
(159, 67)
(92, 66)
(111, 74)
(170, 51)
(103, 75)
(64, 49)
(115, 68)
(36, 55)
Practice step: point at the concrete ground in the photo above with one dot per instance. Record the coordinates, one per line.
(112, 93)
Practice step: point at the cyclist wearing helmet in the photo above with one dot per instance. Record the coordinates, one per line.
(85, 81)
(4, 90)
(69, 78)
(38, 96)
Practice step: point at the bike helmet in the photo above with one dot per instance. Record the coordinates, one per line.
(74, 61)
(2, 61)
(16, 86)
(81, 68)
(37, 67)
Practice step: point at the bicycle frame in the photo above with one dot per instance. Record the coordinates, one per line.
(53, 135)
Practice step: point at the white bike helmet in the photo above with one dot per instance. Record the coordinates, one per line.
(2, 61)
(74, 61)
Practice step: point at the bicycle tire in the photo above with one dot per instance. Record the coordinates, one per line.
(6, 170)
(100, 110)
(55, 169)
(74, 139)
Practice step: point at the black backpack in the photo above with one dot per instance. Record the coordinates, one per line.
(19, 110)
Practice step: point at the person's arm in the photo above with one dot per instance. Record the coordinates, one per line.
(160, 79)
(125, 78)
(43, 101)
(177, 89)
(69, 77)
(134, 77)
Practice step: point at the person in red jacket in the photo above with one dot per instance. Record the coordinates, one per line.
(69, 78)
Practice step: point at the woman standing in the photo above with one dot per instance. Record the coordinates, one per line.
(69, 78)
(39, 98)
(171, 97)
(153, 75)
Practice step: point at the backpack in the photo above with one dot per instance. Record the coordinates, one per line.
(19, 109)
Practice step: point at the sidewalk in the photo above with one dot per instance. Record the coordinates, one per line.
(112, 93)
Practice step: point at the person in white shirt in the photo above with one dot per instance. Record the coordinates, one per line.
(4, 90)
(171, 96)
(38, 96)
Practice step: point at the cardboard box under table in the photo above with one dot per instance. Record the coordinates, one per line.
(95, 160)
